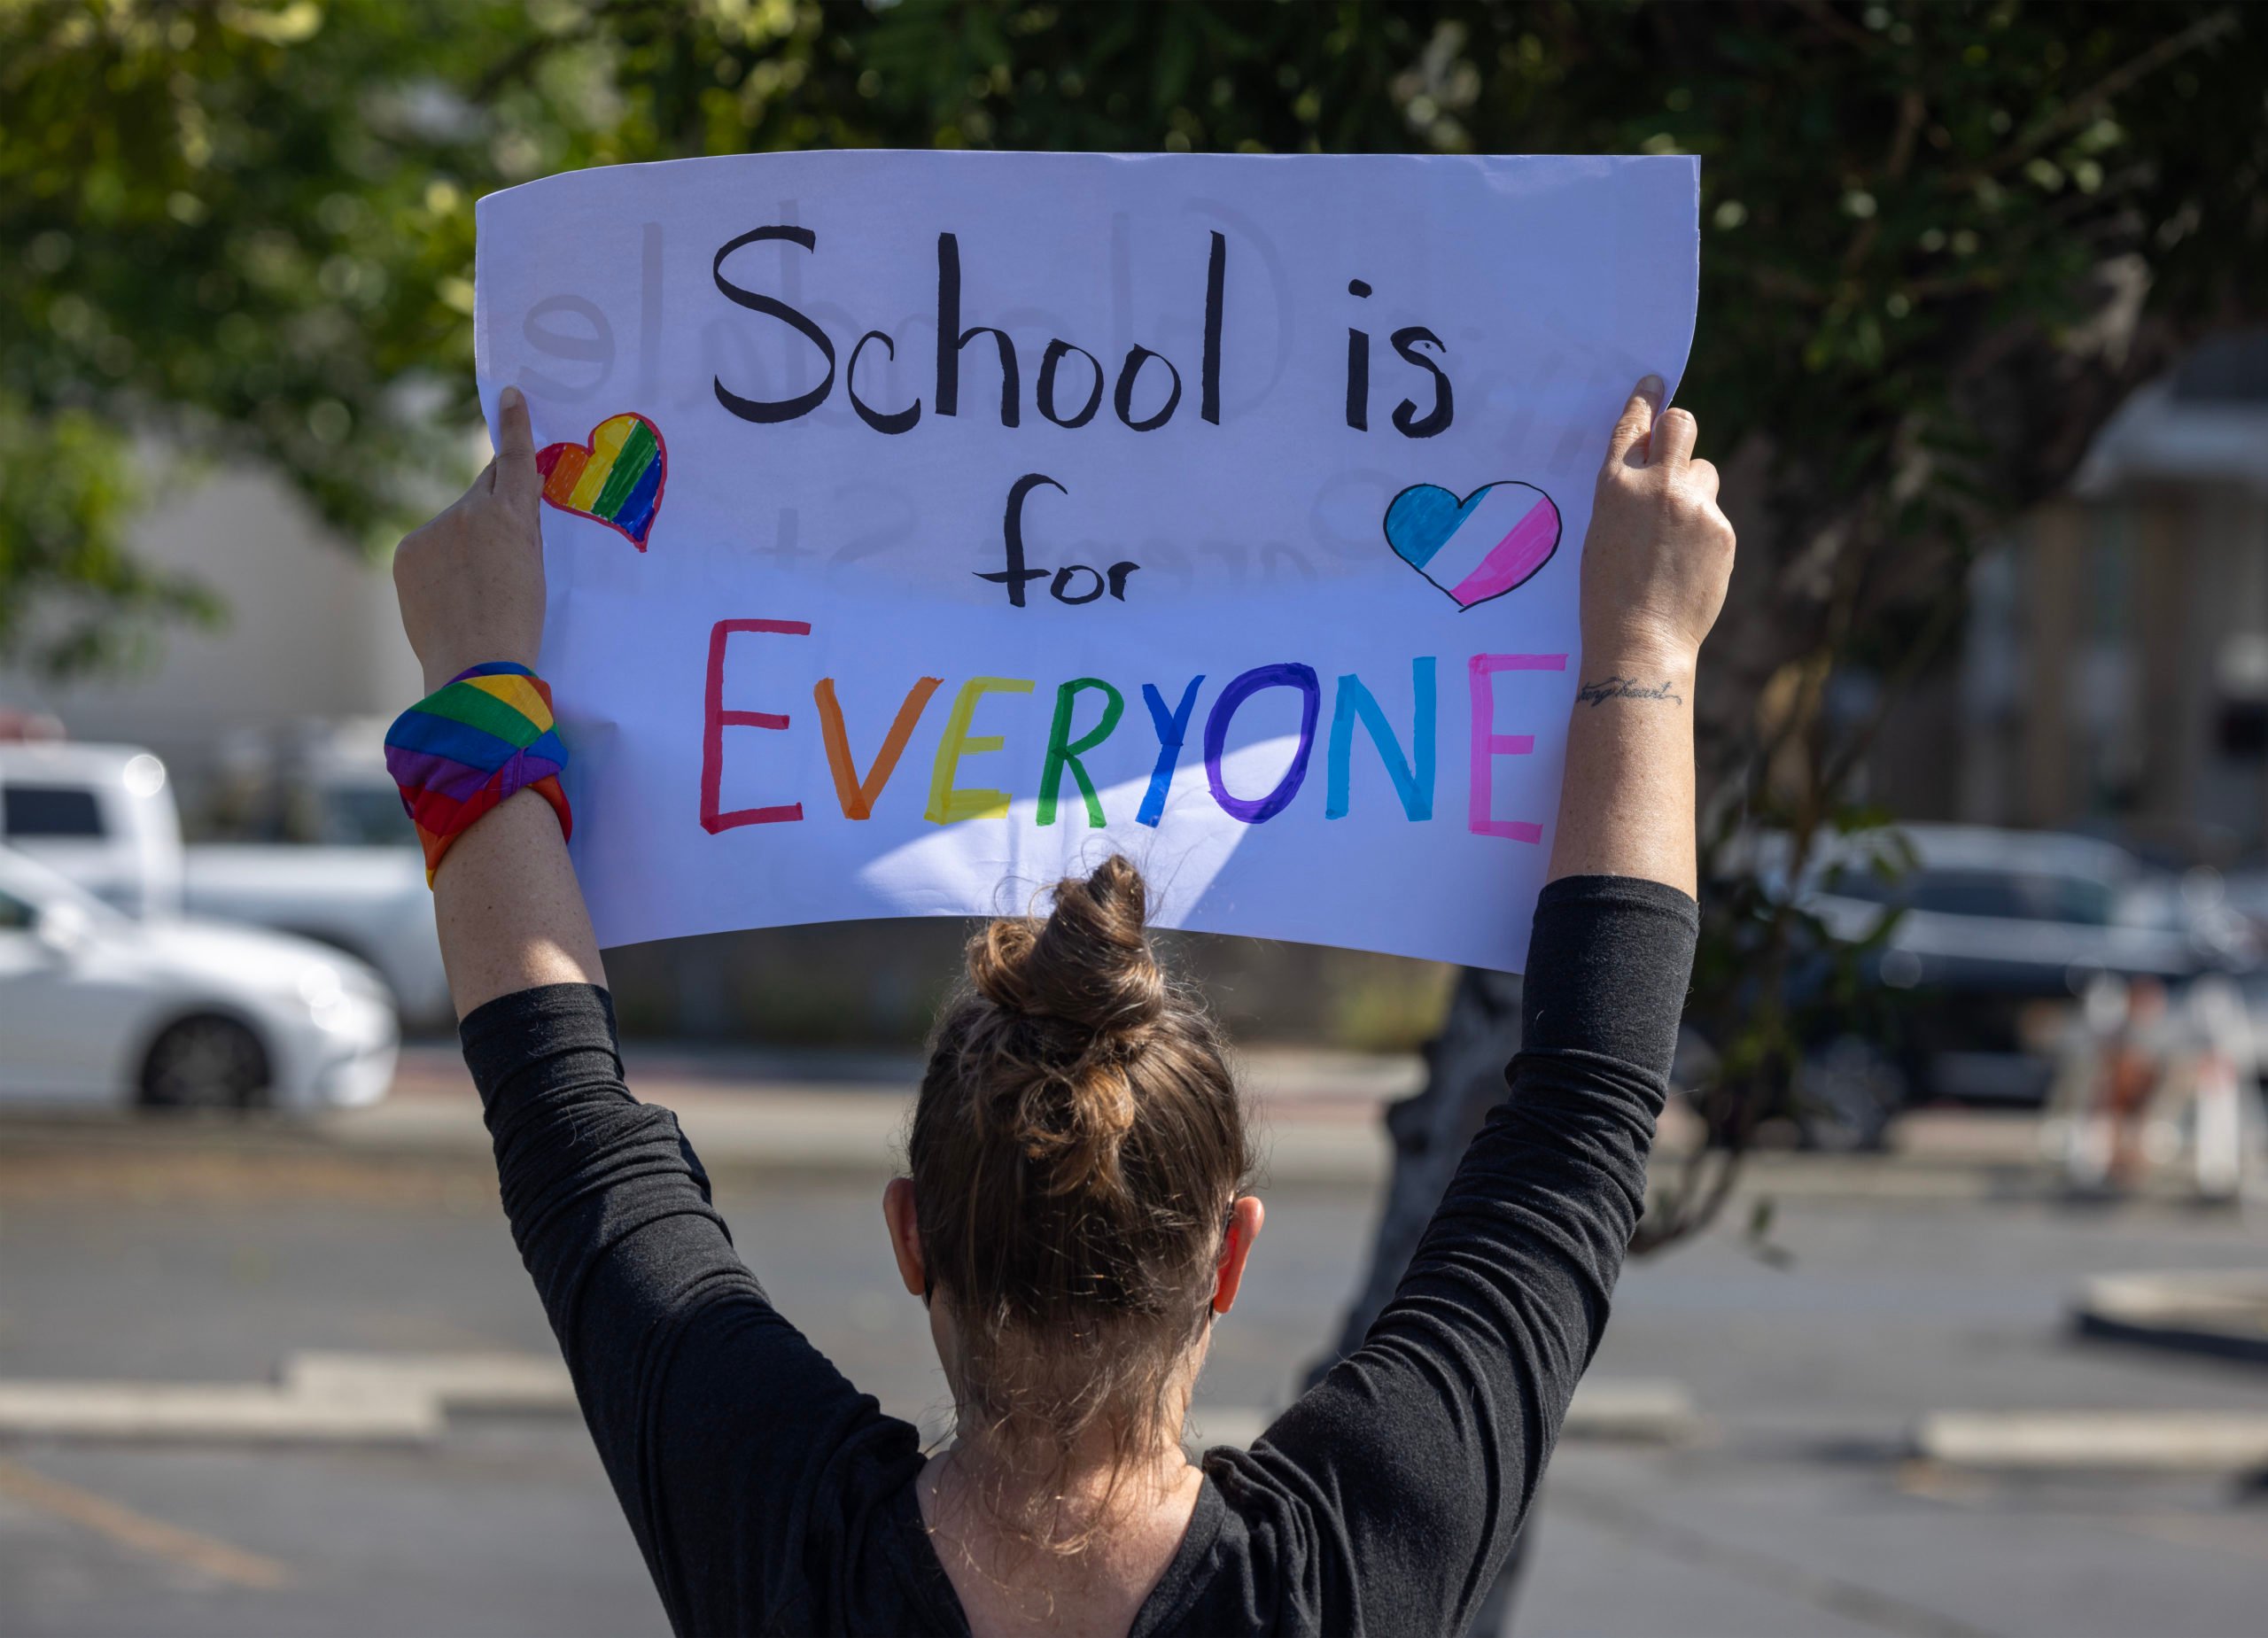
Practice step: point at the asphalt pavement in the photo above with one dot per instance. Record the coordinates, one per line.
(1796, 1502)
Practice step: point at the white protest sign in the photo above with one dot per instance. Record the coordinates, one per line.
(923, 526)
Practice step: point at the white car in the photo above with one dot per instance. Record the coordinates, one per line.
(372, 903)
(104, 816)
(97, 1009)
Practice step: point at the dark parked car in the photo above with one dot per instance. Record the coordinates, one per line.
(1997, 932)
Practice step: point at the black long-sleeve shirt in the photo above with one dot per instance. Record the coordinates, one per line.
(770, 1495)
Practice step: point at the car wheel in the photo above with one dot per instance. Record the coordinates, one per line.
(205, 1063)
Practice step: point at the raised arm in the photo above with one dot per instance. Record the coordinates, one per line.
(471, 582)
(1655, 567)
(1415, 1460)
(691, 1383)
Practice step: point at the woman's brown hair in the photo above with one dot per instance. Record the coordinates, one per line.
(1077, 1145)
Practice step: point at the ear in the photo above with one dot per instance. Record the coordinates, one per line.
(1245, 1219)
(905, 1235)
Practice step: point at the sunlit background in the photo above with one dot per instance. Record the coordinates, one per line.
(1951, 1314)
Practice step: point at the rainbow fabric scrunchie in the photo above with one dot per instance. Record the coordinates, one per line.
(463, 750)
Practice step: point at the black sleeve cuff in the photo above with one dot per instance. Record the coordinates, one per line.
(505, 1035)
(1608, 965)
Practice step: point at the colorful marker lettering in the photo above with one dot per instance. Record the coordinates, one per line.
(856, 794)
(1260, 811)
(1064, 751)
(1487, 744)
(1173, 728)
(948, 804)
(715, 719)
(1413, 779)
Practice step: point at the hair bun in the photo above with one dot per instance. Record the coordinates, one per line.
(1076, 1141)
(1088, 965)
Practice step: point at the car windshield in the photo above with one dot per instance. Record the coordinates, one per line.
(2015, 895)
(45, 889)
(48, 811)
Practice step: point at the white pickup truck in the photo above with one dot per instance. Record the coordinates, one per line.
(104, 816)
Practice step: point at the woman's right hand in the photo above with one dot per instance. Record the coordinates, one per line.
(1655, 567)
(1660, 552)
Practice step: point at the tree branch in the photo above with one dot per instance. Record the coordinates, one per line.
(2205, 30)
(528, 53)
(1841, 27)
(1910, 111)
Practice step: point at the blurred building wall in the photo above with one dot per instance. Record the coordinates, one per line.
(2115, 673)
(310, 631)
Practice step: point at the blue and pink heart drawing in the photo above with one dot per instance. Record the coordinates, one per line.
(1477, 548)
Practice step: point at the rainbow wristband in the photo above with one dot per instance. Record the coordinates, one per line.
(463, 750)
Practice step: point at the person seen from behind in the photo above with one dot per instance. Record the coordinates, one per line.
(1076, 1215)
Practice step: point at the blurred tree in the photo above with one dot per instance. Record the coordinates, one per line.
(1941, 242)
(232, 232)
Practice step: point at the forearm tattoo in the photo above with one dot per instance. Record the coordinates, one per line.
(1626, 688)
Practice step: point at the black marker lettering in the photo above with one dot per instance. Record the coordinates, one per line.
(952, 338)
(890, 421)
(1405, 414)
(1216, 275)
(1124, 401)
(1063, 579)
(1358, 368)
(763, 411)
(1016, 576)
(1049, 361)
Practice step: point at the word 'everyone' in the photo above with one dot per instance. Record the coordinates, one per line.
(1410, 765)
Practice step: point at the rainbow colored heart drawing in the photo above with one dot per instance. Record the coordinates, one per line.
(1479, 547)
(615, 479)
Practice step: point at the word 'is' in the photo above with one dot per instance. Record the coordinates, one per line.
(1410, 766)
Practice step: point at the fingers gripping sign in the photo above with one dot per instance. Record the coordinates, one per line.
(1671, 445)
(513, 474)
(1656, 564)
(1627, 445)
(472, 581)
(1660, 551)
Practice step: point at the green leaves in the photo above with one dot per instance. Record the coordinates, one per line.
(72, 600)
(215, 231)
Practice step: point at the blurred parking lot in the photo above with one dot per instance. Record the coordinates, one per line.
(1750, 1462)
(269, 1365)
